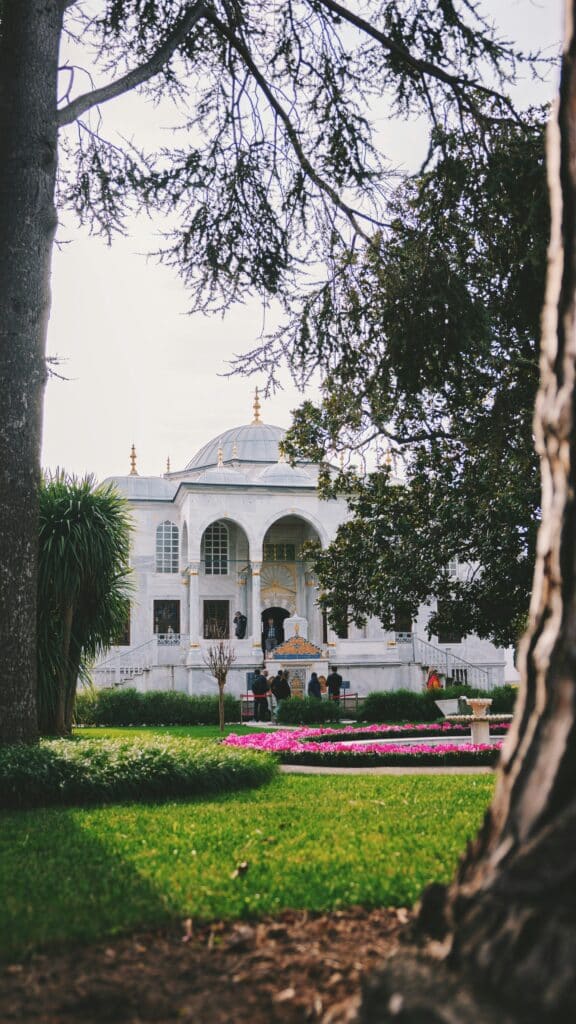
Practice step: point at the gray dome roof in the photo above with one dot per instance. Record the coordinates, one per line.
(282, 474)
(144, 488)
(255, 442)
(221, 475)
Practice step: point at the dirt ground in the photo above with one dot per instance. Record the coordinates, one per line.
(294, 968)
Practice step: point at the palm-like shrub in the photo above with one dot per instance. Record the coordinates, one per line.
(83, 587)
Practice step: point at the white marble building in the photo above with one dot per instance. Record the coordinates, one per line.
(225, 534)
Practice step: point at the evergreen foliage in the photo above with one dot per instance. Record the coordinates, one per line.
(429, 342)
(83, 587)
(130, 707)
(307, 711)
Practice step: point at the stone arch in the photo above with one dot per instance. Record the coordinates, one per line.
(201, 527)
(297, 513)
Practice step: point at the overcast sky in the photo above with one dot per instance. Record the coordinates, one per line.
(140, 369)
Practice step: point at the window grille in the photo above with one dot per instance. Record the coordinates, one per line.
(167, 547)
(279, 552)
(216, 550)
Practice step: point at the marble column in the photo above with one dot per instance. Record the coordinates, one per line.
(194, 616)
(256, 605)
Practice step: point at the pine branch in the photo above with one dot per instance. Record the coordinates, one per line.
(137, 76)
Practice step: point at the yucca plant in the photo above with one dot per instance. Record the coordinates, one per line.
(83, 587)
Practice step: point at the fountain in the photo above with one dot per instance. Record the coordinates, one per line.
(480, 718)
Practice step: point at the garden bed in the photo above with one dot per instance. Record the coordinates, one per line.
(316, 747)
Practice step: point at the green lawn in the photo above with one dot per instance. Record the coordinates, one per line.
(195, 732)
(72, 874)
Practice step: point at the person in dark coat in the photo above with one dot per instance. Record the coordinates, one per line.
(314, 687)
(281, 687)
(334, 684)
(260, 689)
(240, 623)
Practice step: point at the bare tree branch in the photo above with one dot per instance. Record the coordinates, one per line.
(137, 75)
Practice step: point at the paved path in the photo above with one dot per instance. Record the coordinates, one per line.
(309, 769)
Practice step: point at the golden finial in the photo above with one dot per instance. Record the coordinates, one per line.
(220, 457)
(256, 407)
(388, 457)
(133, 470)
(168, 464)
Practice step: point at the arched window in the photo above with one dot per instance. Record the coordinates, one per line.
(167, 547)
(216, 550)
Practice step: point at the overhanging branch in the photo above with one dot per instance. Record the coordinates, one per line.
(137, 76)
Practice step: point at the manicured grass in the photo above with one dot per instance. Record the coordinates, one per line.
(71, 874)
(194, 732)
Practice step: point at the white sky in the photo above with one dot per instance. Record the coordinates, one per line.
(140, 369)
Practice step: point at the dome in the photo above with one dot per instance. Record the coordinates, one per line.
(221, 475)
(143, 488)
(254, 442)
(282, 474)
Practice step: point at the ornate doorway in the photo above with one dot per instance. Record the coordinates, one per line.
(273, 616)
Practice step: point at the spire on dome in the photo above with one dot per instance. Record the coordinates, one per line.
(133, 470)
(220, 457)
(256, 407)
(234, 450)
(168, 464)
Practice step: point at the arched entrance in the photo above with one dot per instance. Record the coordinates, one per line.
(277, 615)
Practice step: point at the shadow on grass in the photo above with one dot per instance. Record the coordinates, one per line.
(62, 882)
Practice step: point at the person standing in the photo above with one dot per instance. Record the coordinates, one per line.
(334, 682)
(270, 636)
(314, 690)
(240, 623)
(260, 691)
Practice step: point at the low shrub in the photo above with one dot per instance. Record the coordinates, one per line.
(119, 707)
(395, 759)
(408, 706)
(102, 771)
(307, 711)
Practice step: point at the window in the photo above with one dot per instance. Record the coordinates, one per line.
(216, 550)
(402, 624)
(216, 620)
(167, 621)
(167, 547)
(447, 634)
(453, 568)
(279, 552)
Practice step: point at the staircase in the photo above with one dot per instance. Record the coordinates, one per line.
(122, 668)
(422, 652)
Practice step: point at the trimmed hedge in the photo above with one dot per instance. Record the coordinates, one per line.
(407, 706)
(347, 759)
(307, 711)
(158, 707)
(102, 771)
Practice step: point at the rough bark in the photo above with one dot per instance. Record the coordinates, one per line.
(29, 42)
(507, 924)
(512, 909)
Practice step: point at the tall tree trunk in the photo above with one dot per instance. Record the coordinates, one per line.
(221, 685)
(29, 42)
(512, 909)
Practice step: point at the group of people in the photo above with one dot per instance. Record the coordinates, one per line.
(318, 685)
(268, 692)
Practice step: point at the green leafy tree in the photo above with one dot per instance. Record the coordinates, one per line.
(83, 588)
(272, 162)
(431, 341)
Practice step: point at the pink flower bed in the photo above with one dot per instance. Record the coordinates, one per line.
(301, 742)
